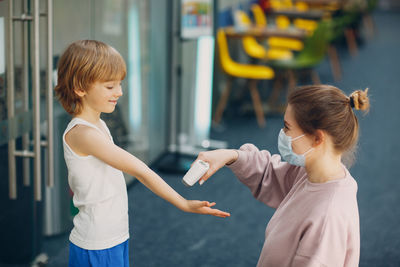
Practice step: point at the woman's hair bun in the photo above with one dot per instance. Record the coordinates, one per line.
(359, 100)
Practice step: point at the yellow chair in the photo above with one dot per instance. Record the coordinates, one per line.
(259, 15)
(238, 70)
(281, 4)
(283, 22)
(275, 42)
(301, 6)
(253, 48)
(305, 24)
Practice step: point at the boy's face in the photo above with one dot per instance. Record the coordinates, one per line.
(101, 96)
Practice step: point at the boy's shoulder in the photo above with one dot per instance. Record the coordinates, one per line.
(81, 132)
(83, 139)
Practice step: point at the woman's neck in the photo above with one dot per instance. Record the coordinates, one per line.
(325, 168)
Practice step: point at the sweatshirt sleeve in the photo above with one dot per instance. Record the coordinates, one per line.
(268, 178)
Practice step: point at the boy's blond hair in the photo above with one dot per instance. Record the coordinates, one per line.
(82, 64)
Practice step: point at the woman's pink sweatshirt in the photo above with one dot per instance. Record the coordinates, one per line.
(315, 224)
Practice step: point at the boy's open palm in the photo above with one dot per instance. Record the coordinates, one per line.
(204, 207)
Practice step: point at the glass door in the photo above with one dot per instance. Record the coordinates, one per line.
(26, 125)
(33, 204)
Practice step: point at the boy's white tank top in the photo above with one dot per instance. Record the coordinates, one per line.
(100, 195)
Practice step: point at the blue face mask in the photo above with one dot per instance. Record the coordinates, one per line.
(286, 151)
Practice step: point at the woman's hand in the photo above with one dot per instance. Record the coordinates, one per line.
(204, 207)
(216, 159)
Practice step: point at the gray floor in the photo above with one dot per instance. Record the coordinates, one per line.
(165, 236)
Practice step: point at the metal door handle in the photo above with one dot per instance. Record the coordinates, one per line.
(37, 189)
(25, 87)
(36, 154)
(12, 178)
(49, 98)
(36, 98)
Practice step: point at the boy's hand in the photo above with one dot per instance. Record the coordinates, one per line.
(204, 207)
(217, 159)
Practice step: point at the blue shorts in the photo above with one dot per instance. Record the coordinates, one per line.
(117, 256)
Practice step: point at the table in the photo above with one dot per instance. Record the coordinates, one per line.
(264, 32)
(314, 14)
(321, 2)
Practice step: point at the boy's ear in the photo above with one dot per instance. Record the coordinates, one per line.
(80, 92)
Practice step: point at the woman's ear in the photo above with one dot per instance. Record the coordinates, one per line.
(79, 92)
(319, 137)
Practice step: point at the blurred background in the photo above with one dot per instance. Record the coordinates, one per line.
(202, 74)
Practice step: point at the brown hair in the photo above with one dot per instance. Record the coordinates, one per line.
(325, 107)
(82, 64)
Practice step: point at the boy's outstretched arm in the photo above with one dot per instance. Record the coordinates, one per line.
(89, 141)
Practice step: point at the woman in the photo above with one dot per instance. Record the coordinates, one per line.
(316, 222)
